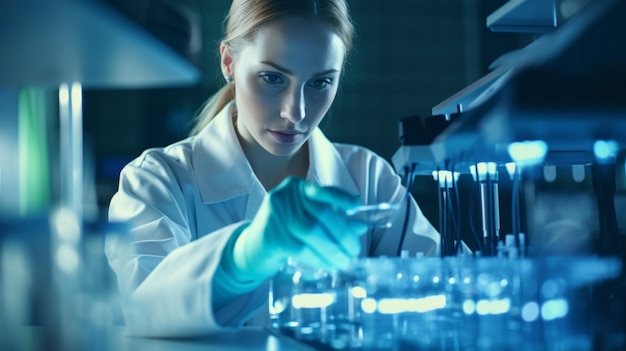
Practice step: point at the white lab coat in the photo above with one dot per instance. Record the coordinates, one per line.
(185, 200)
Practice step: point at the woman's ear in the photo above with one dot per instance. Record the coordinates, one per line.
(226, 61)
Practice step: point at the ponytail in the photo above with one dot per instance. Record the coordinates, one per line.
(213, 106)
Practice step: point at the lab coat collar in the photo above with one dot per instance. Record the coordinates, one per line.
(223, 171)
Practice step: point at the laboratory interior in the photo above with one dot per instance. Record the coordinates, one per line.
(505, 119)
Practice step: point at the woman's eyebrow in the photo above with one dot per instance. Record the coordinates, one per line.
(287, 71)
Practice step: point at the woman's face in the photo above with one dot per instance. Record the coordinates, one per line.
(286, 80)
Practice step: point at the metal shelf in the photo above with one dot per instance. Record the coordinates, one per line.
(464, 98)
(49, 42)
(525, 16)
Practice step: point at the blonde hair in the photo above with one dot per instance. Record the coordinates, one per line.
(247, 17)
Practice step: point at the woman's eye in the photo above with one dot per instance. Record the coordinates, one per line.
(271, 78)
(320, 83)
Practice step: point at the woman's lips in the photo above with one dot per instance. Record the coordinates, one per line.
(286, 136)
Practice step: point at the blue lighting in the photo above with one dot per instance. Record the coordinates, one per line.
(473, 172)
(446, 178)
(578, 173)
(549, 173)
(359, 292)
(403, 305)
(320, 300)
(510, 169)
(530, 311)
(277, 307)
(369, 305)
(554, 309)
(482, 170)
(605, 149)
(528, 152)
(392, 305)
(469, 306)
(494, 306)
(550, 288)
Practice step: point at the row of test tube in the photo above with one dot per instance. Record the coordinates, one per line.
(485, 177)
(427, 303)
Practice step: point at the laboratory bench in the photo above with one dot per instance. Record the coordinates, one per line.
(33, 338)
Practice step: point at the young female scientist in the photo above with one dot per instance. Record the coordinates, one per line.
(215, 215)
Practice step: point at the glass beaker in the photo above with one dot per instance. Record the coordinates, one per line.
(282, 314)
(312, 300)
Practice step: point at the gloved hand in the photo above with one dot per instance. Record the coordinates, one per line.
(301, 220)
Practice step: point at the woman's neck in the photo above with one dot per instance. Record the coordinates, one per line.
(270, 169)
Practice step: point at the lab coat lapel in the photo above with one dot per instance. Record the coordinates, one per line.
(326, 166)
(220, 166)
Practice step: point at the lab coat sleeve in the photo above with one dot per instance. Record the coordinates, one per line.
(163, 274)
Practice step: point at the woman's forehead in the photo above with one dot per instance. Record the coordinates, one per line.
(296, 40)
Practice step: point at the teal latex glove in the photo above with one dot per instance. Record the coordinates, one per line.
(301, 220)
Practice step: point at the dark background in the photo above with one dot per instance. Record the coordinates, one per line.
(408, 57)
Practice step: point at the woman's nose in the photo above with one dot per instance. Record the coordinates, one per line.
(293, 106)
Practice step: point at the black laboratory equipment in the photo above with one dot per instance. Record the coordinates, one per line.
(554, 109)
